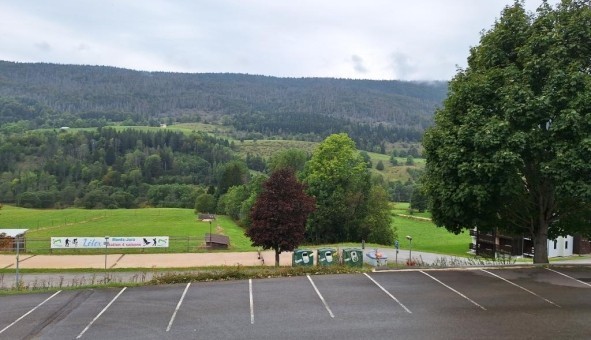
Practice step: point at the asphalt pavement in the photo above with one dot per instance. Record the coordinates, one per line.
(467, 303)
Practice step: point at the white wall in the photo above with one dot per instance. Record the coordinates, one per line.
(562, 246)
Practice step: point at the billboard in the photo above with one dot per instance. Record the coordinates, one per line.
(82, 242)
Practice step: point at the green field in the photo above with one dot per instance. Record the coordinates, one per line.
(186, 232)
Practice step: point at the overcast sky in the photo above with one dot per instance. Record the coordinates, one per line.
(369, 39)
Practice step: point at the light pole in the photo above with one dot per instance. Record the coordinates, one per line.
(17, 260)
(397, 246)
(409, 238)
(208, 220)
(106, 246)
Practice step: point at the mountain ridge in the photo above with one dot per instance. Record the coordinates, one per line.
(86, 95)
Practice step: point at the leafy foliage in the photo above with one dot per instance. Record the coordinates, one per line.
(337, 175)
(290, 158)
(205, 203)
(279, 215)
(377, 224)
(511, 148)
(106, 168)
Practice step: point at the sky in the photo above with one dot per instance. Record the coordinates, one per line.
(369, 39)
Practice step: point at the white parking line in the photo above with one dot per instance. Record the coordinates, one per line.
(101, 313)
(321, 297)
(178, 306)
(387, 292)
(251, 301)
(29, 312)
(570, 277)
(455, 291)
(516, 285)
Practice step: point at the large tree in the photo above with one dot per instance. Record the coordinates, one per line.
(337, 175)
(511, 147)
(279, 215)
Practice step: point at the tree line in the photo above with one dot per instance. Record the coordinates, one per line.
(109, 168)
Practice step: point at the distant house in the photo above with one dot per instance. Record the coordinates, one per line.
(64, 128)
(206, 217)
(493, 243)
(163, 126)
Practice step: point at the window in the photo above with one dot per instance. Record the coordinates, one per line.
(555, 243)
(566, 244)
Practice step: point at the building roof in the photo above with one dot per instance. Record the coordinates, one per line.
(13, 232)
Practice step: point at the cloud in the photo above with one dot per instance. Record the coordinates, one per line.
(402, 67)
(43, 46)
(358, 64)
(380, 39)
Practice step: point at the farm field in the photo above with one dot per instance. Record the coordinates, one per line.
(185, 231)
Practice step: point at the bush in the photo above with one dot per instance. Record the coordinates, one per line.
(205, 203)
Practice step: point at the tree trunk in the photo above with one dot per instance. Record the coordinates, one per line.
(277, 252)
(541, 243)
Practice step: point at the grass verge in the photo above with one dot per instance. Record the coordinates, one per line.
(99, 279)
(242, 273)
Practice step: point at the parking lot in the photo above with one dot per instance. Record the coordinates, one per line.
(527, 303)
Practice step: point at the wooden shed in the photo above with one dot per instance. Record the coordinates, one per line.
(217, 241)
(11, 239)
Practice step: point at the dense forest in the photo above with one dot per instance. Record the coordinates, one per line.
(106, 168)
(373, 113)
(133, 167)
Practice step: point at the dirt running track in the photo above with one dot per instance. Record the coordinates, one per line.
(144, 260)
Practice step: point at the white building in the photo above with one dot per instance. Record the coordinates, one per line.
(562, 246)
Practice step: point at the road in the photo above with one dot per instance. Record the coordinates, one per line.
(528, 303)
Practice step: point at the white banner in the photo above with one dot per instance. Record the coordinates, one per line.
(111, 242)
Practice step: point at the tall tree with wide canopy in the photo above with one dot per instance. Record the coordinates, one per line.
(511, 147)
(337, 175)
(279, 215)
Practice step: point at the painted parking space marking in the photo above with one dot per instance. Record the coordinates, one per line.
(251, 301)
(29, 312)
(101, 313)
(388, 293)
(321, 297)
(523, 288)
(178, 306)
(570, 277)
(455, 291)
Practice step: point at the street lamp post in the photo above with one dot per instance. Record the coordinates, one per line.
(17, 260)
(106, 246)
(209, 238)
(409, 238)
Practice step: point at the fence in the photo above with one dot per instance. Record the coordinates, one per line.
(177, 244)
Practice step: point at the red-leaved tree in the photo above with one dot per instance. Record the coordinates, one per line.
(280, 212)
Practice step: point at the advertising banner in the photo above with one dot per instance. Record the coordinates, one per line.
(112, 242)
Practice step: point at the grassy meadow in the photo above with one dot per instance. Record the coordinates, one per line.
(425, 235)
(186, 232)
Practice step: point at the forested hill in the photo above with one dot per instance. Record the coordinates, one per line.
(50, 95)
